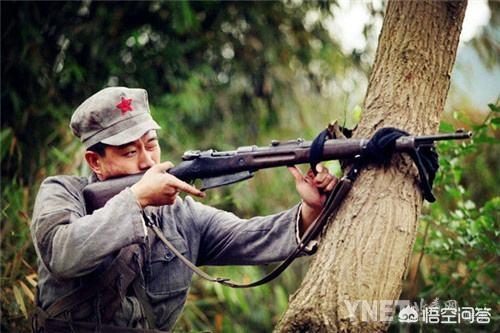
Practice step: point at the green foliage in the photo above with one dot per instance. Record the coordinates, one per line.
(457, 244)
(239, 310)
(464, 232)
(219, 75)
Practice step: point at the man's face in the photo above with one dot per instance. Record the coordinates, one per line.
(130, 158)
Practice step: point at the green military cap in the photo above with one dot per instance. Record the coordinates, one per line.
(113, 116)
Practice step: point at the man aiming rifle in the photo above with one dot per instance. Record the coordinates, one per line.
(117, 250)
(108, 270)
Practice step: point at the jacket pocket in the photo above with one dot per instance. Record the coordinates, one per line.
(168, 273)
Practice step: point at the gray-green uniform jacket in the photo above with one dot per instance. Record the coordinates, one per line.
(71, 244)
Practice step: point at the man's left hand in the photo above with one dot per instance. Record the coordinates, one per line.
(313, 190)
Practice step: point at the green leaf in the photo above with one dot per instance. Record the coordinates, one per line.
(494, 108)
(492, 205)
(356, 114)
(479, 127)
(334, 168)
(495, 123)
(184, 19)
(474, 228)
(446, 127)
(486, 139)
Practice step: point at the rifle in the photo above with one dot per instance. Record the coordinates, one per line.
(219, 168)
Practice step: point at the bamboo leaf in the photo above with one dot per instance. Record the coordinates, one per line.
(31, 279)
(5, 141)
(20, 301)
(27, 291)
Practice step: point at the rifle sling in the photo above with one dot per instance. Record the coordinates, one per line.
(331, 206)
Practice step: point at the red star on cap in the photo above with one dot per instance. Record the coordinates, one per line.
(125, 105)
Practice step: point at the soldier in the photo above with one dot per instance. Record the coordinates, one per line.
(107, 270)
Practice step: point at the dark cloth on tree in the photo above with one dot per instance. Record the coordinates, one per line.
(381, 147)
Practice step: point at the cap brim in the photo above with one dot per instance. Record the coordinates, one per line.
(131, 134)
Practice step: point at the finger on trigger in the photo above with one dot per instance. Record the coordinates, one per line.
(171, 191)
(185, 187)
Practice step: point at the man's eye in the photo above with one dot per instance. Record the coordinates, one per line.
(152, 146)
(129, 153)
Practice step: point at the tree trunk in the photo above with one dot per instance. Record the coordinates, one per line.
(366, 249)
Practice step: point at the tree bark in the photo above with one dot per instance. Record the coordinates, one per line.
(365, 251)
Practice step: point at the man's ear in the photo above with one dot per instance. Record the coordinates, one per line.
(94, 161)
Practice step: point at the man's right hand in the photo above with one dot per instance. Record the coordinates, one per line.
(158, 188)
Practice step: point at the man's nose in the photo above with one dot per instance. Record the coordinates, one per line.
(146, 160)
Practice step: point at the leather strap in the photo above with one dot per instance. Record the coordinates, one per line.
(331, 206)
(316, 150)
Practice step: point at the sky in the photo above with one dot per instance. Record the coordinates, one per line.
(469, 74)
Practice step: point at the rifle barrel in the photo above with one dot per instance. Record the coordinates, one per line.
(459, 135)
(199, 165)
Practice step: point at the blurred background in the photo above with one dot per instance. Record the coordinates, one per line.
(227, 74)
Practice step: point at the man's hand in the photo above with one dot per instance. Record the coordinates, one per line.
(158, 188)
(313, 191)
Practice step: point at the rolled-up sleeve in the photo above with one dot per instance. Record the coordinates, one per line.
(71, 243)
(312, 245)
